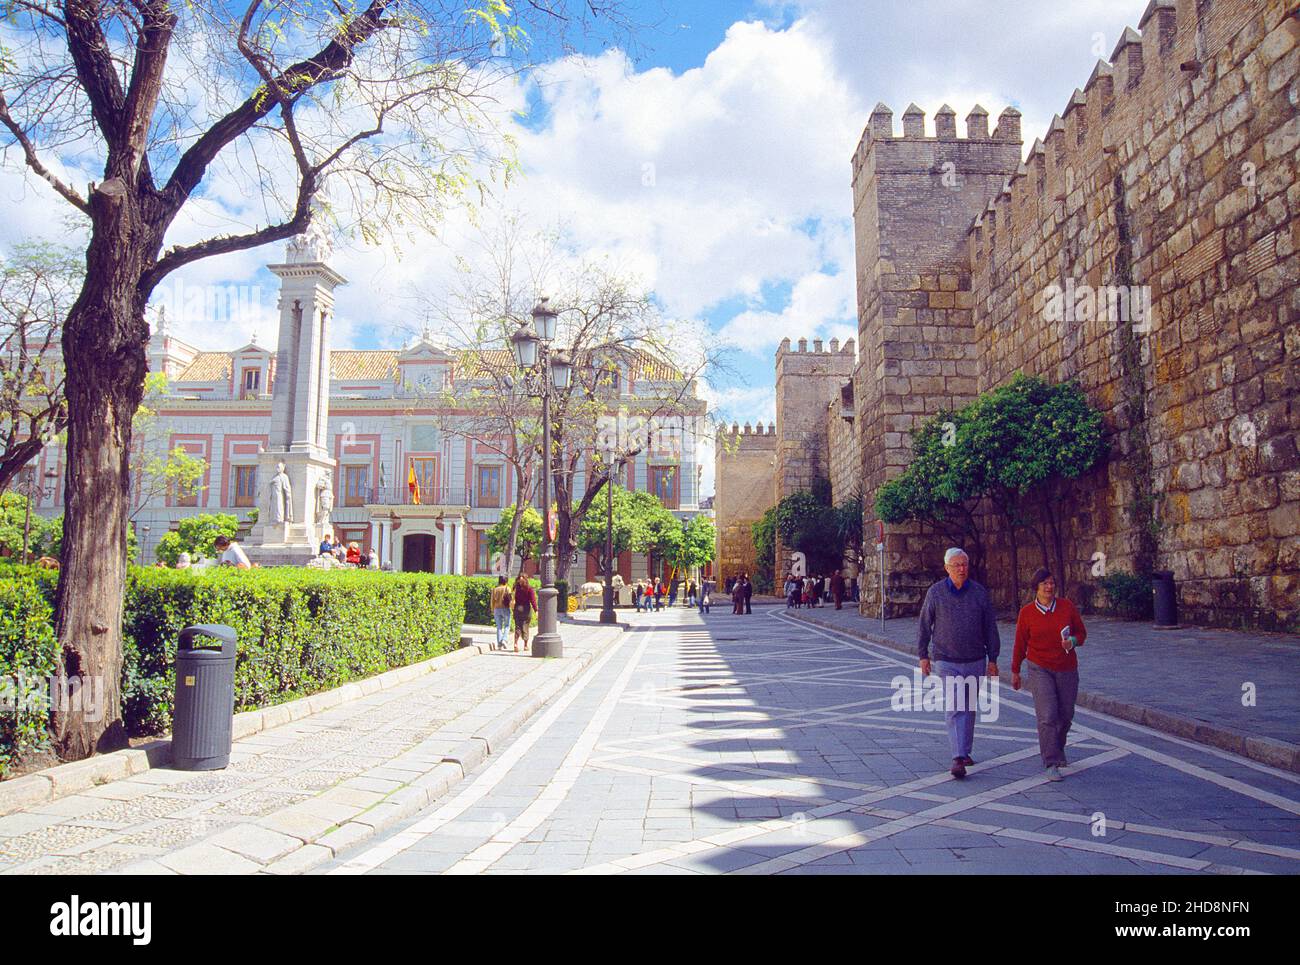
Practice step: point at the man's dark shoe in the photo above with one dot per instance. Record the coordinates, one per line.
(958, 768)
(968, 761)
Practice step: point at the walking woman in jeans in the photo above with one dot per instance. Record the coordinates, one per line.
(1047, 632)
(525, 606)
(501, 610)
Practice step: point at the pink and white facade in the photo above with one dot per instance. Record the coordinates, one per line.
(384, 420)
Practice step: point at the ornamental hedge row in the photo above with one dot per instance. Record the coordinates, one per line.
(300, 632)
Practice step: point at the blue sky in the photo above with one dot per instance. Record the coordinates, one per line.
(712, 161)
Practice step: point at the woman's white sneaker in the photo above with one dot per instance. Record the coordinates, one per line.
(1054, 773)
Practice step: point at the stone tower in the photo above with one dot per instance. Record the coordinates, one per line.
(914, 198)
(805, 382)
(745, 471)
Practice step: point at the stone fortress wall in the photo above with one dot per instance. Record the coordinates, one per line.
(744, 483)
(806, 381)
(1172, 170)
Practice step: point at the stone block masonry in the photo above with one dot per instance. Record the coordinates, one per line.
(806, 381)
(1171, 173)
(744, 484)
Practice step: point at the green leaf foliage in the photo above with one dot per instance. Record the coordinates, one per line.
(527, 540)
(300, 631)
(197, 536)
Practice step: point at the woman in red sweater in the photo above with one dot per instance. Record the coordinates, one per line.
(1047, 633)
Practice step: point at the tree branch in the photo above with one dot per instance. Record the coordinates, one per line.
(66, 191)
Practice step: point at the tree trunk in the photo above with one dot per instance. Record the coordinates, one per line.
(104, 341)
(1015, 556)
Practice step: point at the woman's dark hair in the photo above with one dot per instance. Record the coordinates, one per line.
(502, 580)
(1040, 574)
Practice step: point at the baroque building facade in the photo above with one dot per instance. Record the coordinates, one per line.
(381, 419)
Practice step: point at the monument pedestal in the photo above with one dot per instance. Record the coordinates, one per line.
(289, 543)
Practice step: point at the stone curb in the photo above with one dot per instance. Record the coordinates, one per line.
(1283, 755)
(59, 781)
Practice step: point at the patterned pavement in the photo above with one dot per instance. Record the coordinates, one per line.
(760, 745)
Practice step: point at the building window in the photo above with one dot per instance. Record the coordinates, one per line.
(483, 563)
(426, 476)
(245, 486)
(663, 483)
(356, 485)
(252, 383)
(489, 486)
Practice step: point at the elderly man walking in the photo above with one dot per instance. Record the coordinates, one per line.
(958, 628)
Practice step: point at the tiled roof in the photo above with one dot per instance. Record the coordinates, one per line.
(370, 365)
(207, 367)
(357, 365)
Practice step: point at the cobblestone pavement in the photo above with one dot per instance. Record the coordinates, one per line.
(286, 787)
(760, 745)
(1197, 672)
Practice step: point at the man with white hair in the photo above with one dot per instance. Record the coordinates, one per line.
(958, 627)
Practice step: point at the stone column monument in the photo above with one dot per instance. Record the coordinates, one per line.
(297, 460)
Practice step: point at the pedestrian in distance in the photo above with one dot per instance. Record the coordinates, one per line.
(958, 628)
(525, 605)
(1048, 631)
(837, 590)
(738, 597)
(230, 553)
(500, 599)
(748, 592)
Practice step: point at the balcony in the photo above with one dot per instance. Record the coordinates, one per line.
(402, 496)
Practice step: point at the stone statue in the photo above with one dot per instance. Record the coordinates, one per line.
(281, 496)
(324, 501)
(314, 244)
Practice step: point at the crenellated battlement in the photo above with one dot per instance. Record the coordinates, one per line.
(1171, 60)
(879, 136)
(835, 348)
(748, 430)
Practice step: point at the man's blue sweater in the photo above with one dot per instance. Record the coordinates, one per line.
(960, 624)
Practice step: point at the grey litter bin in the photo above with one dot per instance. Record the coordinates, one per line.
(205, 699)
(1166, 600)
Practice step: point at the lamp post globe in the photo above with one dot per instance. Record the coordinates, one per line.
(524, 344)
(544, 319)
(561, 370)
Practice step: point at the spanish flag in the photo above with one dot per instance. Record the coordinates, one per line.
(413, 485)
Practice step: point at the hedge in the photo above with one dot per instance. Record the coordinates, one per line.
(27, 649)
(300, 632)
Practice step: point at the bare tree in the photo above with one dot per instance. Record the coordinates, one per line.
(616, 333)
(38, 282)
(390, 99)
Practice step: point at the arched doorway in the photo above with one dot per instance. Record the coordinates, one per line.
(418, 553)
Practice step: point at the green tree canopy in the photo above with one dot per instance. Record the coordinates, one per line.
(528, 539)
(1016, 445)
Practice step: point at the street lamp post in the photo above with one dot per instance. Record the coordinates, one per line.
(533, 353)
(32, 491)
(607, 609)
